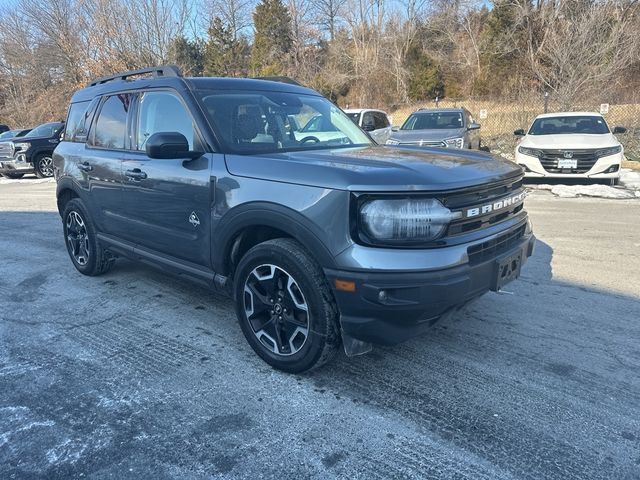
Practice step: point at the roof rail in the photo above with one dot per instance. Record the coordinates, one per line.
(281, 79)
(159, 71)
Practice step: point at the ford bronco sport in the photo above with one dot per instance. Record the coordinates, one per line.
(321, 240)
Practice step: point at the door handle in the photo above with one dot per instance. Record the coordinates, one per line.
(85, 166)
(136, 174)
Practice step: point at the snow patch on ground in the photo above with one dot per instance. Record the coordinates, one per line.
(630, 178)
(600, 191)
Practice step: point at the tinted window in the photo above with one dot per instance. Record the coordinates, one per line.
(587, 124)
(45, 130)
(380, 120)
(368, 120)
(111, 126)
(260, 122)
(75, 120)
(162, 112)
(355, 117)
(433, 121)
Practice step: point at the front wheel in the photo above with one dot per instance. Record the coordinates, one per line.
(43, 166)
(285, 307)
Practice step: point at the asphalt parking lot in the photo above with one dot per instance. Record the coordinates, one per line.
(136, 375)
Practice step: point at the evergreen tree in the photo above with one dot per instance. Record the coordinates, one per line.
(225, 55)
(188, 55)
(272, 40)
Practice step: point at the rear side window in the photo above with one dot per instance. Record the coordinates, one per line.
(111, 125)
(78, 120)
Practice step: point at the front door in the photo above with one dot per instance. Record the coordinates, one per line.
(167, 202)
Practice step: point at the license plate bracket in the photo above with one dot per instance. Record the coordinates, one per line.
(567, 163)
(506, 270)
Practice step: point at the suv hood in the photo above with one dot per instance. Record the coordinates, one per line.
(376, 168)
(570, 141)
(428, 135)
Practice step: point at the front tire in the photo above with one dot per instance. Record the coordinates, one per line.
(43, 166)
(285, 307)
(86, 253)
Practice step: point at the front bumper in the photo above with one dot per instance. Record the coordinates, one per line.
(412, 301)
(15, 165)
(533, 168)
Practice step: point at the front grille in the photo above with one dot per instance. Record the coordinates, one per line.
(6, 150)
(586, 160)
(425, 143)
(492, 248)
(483, 196)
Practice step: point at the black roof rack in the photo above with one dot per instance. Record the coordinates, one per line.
(159, 71)
(281, 79)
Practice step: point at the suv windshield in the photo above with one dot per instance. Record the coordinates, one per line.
(263, 122)
(589, 124)
(433, 121)
(44, 130)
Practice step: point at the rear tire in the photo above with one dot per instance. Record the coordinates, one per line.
(13, 176)
(285, 307)
(86, 253)
(43, 166)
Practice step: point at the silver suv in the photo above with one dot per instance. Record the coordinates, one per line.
(322, 240)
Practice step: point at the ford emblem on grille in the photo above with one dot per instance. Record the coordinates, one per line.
(568, 155)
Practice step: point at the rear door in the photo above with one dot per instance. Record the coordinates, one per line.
(167, 202)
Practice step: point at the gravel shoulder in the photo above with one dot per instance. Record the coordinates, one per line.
(137, 375)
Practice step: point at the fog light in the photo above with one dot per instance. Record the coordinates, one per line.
(612, 168)
(382, 296)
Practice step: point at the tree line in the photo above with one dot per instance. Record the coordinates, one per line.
(373, 53)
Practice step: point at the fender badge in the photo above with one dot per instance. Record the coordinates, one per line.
(194, 220)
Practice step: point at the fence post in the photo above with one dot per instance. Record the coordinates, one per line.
(546, 102)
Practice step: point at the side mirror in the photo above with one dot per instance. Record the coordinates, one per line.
(619, 130)
(519, 132)
(395, 128)
(474, 126)
(169, 145)
(368, 127)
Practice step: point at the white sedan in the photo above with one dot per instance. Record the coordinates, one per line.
(570, 145)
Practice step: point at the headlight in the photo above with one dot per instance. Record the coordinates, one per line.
(392, 142)
(21, 147)
(605, 152)
(454, 142)
(532, 152)
(398, 220)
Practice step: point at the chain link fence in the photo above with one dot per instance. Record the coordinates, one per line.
(499, 118)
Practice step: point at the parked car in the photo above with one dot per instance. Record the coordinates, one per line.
(17, 133)
(4, 128)
(318, 243)
(31, 153)
(375, 122)
(570, 145)
(438, 127)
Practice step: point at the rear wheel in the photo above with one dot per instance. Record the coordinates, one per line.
(285, 307)
(43, 166)
(13, 176)
(86, 253)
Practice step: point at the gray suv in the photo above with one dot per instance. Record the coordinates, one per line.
(322, 240)
(438, 127)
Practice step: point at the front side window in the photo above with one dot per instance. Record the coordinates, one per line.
(45, 130)
(380, 120)
(433, 121)
(585, 124)
(162, 112)
(261, 122)
(111, 126)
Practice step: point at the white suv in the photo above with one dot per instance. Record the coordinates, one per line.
(570, 145)
(375, 122)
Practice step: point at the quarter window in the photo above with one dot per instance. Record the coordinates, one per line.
(162, 112)
(111, 126)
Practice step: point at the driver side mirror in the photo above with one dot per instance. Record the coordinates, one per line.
(617, 130)
(395, 128)
(169, 145)
(519, 132)
(474, 126)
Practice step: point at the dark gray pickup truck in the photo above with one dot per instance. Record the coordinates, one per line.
(322, 240)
